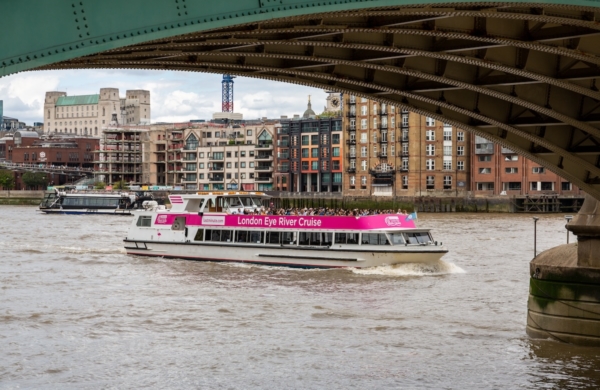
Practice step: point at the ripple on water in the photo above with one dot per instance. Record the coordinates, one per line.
(439, 267)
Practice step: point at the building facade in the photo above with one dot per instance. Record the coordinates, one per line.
(89, 114)
(394, 152)
(118, 156)
(500, 171)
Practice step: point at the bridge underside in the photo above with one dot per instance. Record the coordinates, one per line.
(524, 76)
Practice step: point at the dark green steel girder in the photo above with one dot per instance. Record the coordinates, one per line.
(523, 74)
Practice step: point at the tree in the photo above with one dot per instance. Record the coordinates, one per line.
(100, 185)
(120, 185)
(7, 180)
(35, 179)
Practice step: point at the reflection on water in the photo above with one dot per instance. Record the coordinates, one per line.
(79, 313)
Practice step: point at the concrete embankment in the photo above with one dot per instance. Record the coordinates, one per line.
(21, 198)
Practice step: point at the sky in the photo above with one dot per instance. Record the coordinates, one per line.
(175, 96)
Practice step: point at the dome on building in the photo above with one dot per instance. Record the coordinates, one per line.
(309, 113)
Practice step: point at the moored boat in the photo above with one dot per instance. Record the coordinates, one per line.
(227, 226)
(63, 202)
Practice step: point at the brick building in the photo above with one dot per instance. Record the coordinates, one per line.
(500, 171)
(397, 153)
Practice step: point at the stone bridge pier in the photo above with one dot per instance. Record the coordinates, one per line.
(564, 291)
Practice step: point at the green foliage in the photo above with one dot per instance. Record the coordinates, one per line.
(35, 179)
(329, 114)
(120, 185)
(100, 185)
(7, 179)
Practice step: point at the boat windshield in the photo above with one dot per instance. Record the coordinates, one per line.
(418, 238)
(397, 238)
(257, 202)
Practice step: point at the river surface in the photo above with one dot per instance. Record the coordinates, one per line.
(77, 312)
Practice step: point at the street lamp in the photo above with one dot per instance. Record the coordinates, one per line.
(568, 218)
(535, 219)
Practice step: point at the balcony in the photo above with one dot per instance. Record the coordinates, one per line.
(216, 178)
(283, 144)
(263, 179)
(215, 158)
(402, 154)
(351, 128)
(283, 156)
(382, 154)
(263, 168)
(351, 114)
(351, 155)
(263, 157)
(403, 169)
(351, 141)
(383, 140)
(283, 168)
(216, 169)
(264, 145)
(383, 112)
(351, 170)
(404, 138)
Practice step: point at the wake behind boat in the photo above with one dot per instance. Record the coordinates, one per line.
(223, 226)
(62, 202)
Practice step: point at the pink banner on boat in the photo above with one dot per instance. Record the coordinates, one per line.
(384, 221)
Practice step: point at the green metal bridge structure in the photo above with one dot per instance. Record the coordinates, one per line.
(523, 74)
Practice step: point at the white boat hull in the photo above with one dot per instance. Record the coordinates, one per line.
(287, 255)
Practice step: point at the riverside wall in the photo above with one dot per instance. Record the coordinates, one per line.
(23, 198)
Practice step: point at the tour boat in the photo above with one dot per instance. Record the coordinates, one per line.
(225, 226)
(62, 202)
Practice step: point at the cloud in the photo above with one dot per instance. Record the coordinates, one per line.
(175, 96)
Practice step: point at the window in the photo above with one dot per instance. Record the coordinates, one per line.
(447, 135)
(485, 186)
(404, 182)
(484, 158)
(460, 150)
(511, 157)
(314, 139)
(363, 151)
(460, 136)
(539, 170)
(249, 132)
(430, 183)
(228, 165)
(405, 163)
(352, 181)
(429, 122)
(363, 138)
(336, 152)
(314, 152)
(251, 164)
(305, 152)
(565, 186)
(485, 170)
(430, 164)
(363, 165)
(404, 120)
(375, 137)
(335, 139)
(447, 165)
(460, 165)
(243, 164)
(447, 182)
(363, 124)
(430, 150)
(511, 170)
(511, 186)
(447, 150)
(363, 110)
(363, 181)
(374, 108)
(430, 135)
(315, 166)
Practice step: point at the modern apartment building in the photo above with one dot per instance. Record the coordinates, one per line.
(119, 155)
(397, 153)
(212, 156)
(500, 171)
(309, 155)
(89, 114)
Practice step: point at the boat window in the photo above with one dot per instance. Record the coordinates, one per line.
(288, 238)
(213, 235)
(257, 202)
(144, 221)
(235, 202)
(346, 238)
(248, 202)
(315, 238)
(273, 238)
(418, 238)
(241, 236)
(327, 238)
(374, 239)
(397, 239)
(199, 235)
(249, 236)
(226, 235)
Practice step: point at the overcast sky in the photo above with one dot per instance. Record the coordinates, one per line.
(176, 96)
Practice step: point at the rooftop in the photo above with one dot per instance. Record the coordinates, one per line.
(77, 100)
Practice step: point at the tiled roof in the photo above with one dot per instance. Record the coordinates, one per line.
(77, 100)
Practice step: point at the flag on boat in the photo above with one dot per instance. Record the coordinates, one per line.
(412, 217)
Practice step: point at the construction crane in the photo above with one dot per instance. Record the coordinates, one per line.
(227, 92)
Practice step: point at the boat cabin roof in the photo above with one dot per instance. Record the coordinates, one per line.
(217, 201)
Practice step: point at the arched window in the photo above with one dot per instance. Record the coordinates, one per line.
(191, 143)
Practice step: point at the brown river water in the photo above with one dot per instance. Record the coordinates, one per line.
(77, 312)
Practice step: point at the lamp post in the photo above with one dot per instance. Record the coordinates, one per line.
(535, 219)
(568, 218)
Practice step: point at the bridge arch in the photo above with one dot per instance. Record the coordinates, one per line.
(522, 74)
